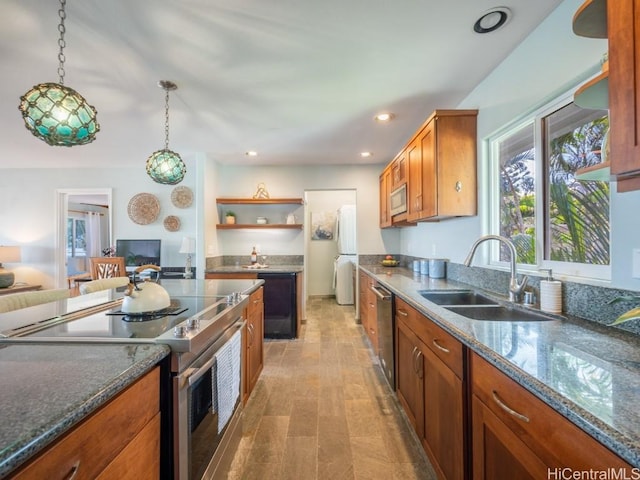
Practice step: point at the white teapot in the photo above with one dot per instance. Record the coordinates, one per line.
(145, 297)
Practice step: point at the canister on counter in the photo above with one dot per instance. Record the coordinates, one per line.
(424, 267)
(436, 268)
(416, 266)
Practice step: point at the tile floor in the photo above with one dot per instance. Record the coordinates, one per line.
(323, 410)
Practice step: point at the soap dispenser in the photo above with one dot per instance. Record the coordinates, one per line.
(550, 293)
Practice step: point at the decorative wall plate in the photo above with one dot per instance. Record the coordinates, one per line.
(172, 223)
(143, 208)
(182, 197)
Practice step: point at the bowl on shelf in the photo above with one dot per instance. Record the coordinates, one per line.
(261, 220)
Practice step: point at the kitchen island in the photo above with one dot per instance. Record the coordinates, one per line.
(586, 372)
(53, 385)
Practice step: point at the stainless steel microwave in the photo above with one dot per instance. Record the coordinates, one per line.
(398, 200)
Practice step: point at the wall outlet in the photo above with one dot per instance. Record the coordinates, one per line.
(635, 263)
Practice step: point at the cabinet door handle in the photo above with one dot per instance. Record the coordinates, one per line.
(440, 347)
(420, 369)
(73, 473)
(414, 358)
(402, 312)
(510, 411)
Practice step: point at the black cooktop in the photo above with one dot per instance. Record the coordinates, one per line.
(143, 317)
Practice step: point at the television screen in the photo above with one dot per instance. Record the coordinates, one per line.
(138, 252)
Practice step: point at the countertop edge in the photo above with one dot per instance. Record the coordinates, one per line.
(616, 441)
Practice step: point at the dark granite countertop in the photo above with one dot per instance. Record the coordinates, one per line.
(49, 388)
(244, 269)
(587, 372)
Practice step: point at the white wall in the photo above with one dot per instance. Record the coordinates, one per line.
(28, 213)
(547, 63)
(288, 181)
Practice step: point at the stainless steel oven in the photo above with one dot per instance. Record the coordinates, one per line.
(208, 409)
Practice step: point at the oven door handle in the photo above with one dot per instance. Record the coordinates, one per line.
(193, 374)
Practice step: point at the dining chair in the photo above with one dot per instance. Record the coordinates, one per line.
(16, 301)
(107, 267)
(103, 284)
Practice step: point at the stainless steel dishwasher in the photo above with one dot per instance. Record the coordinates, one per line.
(384, 307)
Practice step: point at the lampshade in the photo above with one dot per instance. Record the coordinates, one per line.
(58, 115)
(188, 245)
(8, 255)
(166, 167)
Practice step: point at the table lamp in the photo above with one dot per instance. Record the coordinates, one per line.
(8, 255)
(188, 246)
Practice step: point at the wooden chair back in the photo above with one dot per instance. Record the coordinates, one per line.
(107, 267)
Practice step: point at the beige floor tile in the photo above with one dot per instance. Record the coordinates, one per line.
(301, 458)
(322, 409)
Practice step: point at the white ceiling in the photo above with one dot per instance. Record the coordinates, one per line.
(297, 80)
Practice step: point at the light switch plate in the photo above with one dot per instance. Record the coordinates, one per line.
(635, 262)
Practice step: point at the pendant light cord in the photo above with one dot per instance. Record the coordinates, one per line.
(61, 41)
(166, 119)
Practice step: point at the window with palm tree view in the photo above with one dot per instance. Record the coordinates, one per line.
(553, 219)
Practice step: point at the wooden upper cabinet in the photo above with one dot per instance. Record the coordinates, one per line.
(385, 194)
(399, 170)
(623, 26)
(442, 160)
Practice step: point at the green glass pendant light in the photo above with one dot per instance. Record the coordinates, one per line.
(57, 114)
(165, 166)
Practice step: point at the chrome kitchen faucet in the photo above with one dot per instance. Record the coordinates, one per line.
(515, 288)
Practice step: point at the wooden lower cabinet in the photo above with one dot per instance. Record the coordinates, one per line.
(120, 440)
(517, 435)
(430, 390)
(254, 342)
(368, 309)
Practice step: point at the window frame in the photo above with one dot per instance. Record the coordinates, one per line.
(568, 270)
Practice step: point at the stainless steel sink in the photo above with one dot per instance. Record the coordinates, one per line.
(499, 313)
(456, 297)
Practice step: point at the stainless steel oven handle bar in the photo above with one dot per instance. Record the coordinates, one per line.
(192, 375)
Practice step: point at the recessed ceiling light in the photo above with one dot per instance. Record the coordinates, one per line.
(384, 117)
(491, 20)
(251, 153)
(366, 154)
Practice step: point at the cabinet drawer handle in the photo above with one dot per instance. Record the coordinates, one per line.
(510, 411)
(402, 312)
(440, 347)
(73, 473)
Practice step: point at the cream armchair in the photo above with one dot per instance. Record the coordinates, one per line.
(103, 284)
(16, 301)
